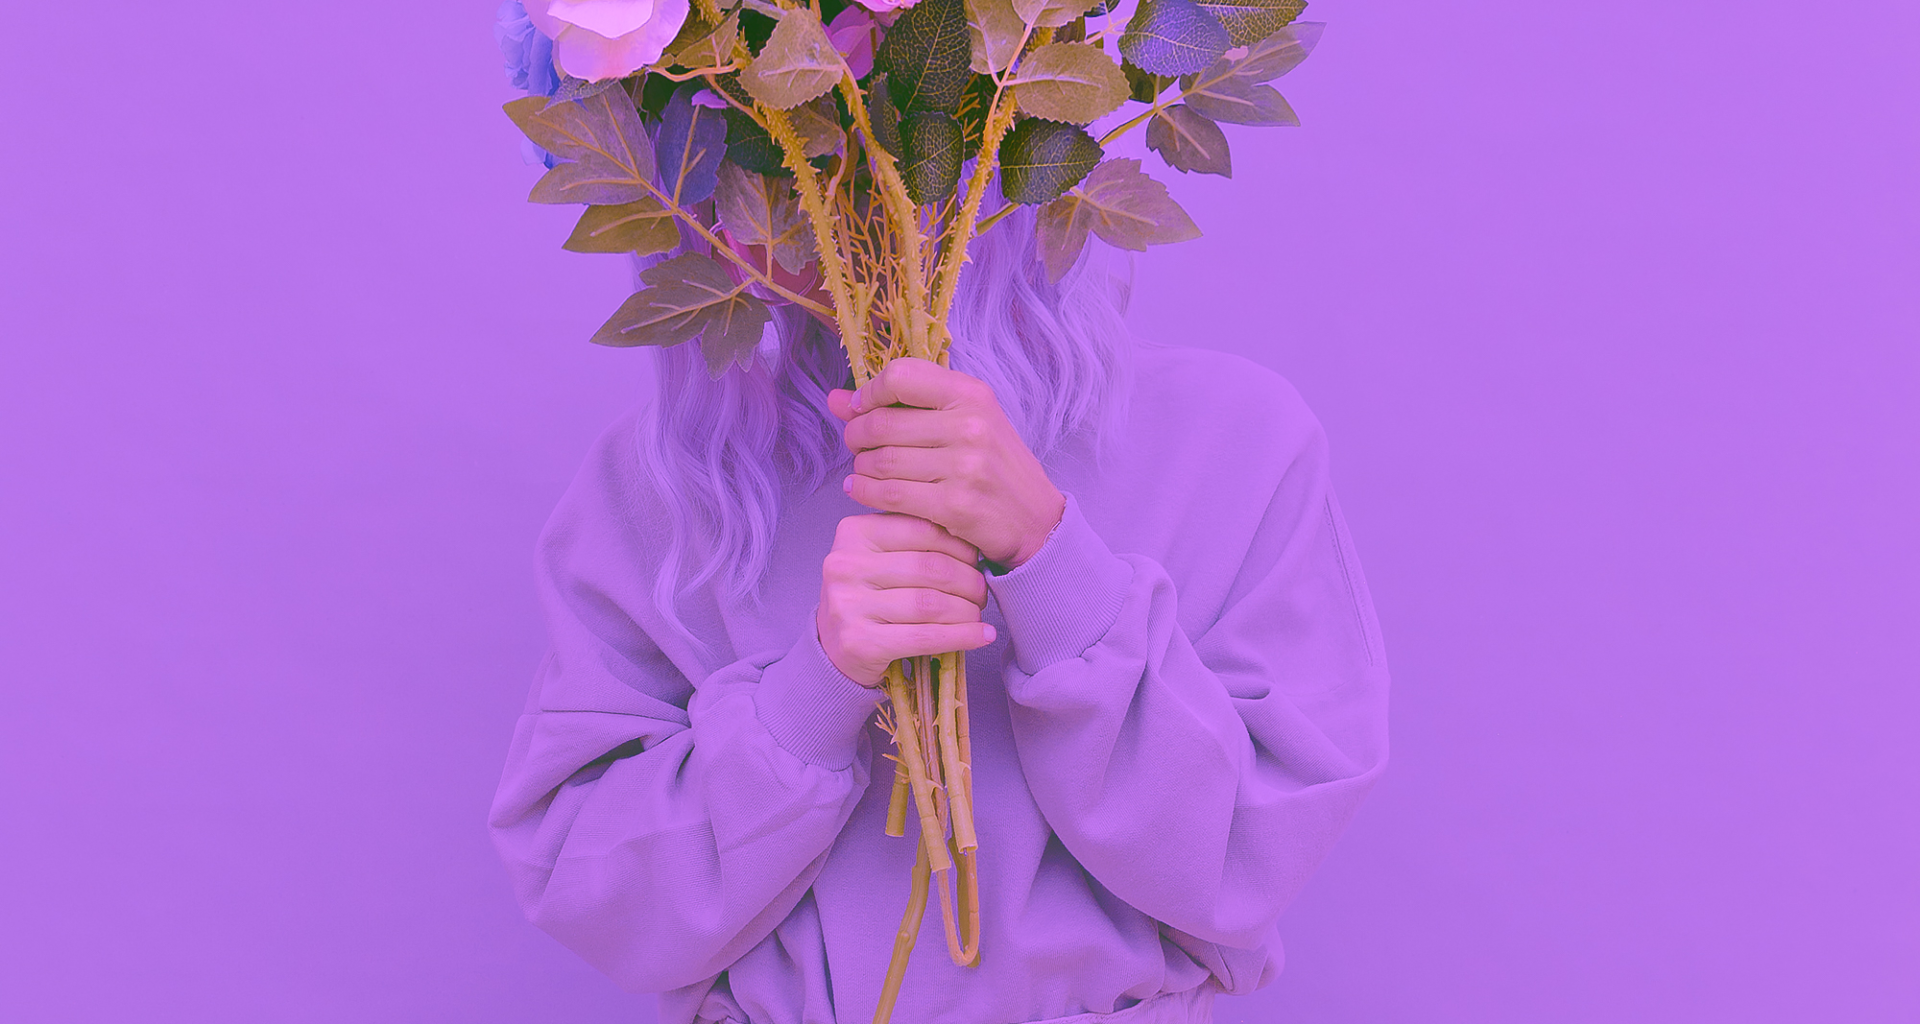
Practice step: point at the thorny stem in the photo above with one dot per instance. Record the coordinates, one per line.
(931, 835)
(826, 238)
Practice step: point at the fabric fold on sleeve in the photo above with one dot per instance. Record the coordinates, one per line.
(1066, 597)
(812, 709)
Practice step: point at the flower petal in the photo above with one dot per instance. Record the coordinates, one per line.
(609, 18)
(586, 54)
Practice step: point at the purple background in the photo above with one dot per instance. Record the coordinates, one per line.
(1610, 311)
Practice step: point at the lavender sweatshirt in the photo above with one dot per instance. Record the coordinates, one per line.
(1185, 705)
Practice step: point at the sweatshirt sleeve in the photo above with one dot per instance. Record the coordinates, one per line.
(1201, 778)
(660, 825)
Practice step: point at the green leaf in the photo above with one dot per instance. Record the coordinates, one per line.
(995, 32)
(571, 88)
(1236, 100)
(1248, 21)
(609, 157)
(643, 226)
(691, 143)
(688, 297)
(932, 165)
(818, 124)
(1280, 52)
(925, 56)
(759, 210)
(1188, 141)
(997, 26)
(703, 45)
(1050, 13)
(1069, 82)
(1127, 209)
(1172, 37)
(1041, 159)
(883, 115)
(751, 147)
(797, 64)
(1143, 87)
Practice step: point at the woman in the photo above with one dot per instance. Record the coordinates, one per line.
(1178, 691)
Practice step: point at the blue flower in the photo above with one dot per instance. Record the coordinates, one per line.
(529, 57)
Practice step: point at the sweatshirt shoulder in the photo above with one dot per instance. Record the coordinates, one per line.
(610, 499)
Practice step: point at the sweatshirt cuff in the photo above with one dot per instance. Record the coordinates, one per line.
(1061, 601)
(811, 708)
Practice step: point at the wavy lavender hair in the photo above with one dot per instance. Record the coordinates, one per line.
(726, 454)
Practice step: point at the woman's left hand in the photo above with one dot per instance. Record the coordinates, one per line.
(949, 456)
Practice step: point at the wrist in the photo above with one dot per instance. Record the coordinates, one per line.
(1036, 536)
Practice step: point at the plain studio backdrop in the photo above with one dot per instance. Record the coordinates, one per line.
(1610, 312)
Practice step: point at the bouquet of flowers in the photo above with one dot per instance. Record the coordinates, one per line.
(837, 157)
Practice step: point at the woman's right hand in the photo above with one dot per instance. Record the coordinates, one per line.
(897, 586)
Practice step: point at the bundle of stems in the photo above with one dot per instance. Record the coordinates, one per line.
(891, 267)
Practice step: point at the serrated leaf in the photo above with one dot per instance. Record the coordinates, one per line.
(749, 145)
(994, 31)
(1188, 141)
(692, 142)
(1127, 209)
(995, 27)
(1041, 159)
(1236, 100)
(1172, 37)
(1142, 87)
(688, 297)
(1069, 82)
(1280, 52)
(704, 45)
(603, 141)
(1050, 13)
(797, 64)
(925, 56)
(571, 88)
(818, 125)
(932, 166)
(1248, 21)
(644, 227)
(758, 210)
(883, 115)
(733, 333)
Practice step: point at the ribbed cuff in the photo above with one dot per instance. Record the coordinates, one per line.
(1064, 599)
(811, 708)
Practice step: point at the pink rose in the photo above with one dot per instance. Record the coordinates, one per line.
(596, 39)
(891, 5)
(854, 33)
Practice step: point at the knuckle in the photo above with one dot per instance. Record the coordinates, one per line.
(973, 427)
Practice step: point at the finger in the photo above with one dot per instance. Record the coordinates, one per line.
(913, 428)
(934, 570)
(840, 404)
(919, 383)
(909, 497)
(908, 605)
(887, 532)
(898, 462)
(932, 638)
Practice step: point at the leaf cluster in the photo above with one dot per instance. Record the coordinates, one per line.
(693, 153)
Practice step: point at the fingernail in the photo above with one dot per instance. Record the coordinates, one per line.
(847, 485)
(855, 401)
(986, 628)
